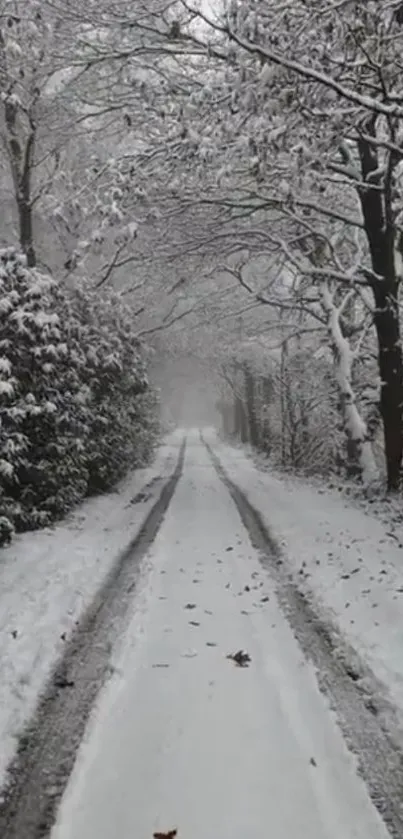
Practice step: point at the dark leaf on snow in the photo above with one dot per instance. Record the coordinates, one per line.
(241, 658)
(62, 682)
(190, 606)
(169, 834)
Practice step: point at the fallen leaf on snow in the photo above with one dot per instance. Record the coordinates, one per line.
(241, 658)
(194, 623)
(62, 682)
(190, 606)
(170, 834)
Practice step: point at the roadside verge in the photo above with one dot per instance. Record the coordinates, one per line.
(49, 578)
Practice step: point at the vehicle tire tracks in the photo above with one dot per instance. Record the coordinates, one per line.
(380, 759)
(48, 746)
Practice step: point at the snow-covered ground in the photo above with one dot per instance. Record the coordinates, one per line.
(182, 738)
(48, 578)
(345, 559)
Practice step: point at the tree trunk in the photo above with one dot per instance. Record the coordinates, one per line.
(21, 151)
(26, 230)
(251, 407)
(241, 423)
(267, 396)
(377, 207)
(283, 367)
(391, 374)
(359, 447)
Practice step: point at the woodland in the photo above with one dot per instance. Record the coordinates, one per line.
(212, 180)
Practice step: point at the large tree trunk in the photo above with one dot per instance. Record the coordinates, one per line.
(391, 374)
(21, 152)
(359, 448)
(381, 233)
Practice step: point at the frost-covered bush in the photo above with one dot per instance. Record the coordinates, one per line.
(75, 410)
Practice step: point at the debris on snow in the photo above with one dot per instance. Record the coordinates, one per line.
(335, 536)
(241, 658)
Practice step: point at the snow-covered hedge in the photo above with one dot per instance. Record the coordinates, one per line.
(75, 409)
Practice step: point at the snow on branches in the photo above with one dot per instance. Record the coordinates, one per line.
(75, 411)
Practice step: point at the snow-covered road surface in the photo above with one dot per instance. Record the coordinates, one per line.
(184, 739)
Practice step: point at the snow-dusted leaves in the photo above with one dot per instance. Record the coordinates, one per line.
(75, 412)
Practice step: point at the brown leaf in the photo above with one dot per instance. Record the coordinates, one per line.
(170, 834)
(241, 658)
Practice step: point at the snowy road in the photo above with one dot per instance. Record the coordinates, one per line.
(184, 739)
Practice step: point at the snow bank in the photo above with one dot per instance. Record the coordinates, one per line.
(48, 578)
(344, 558)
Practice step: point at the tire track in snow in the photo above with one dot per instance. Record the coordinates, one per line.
(47, 749)
(380, 759)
